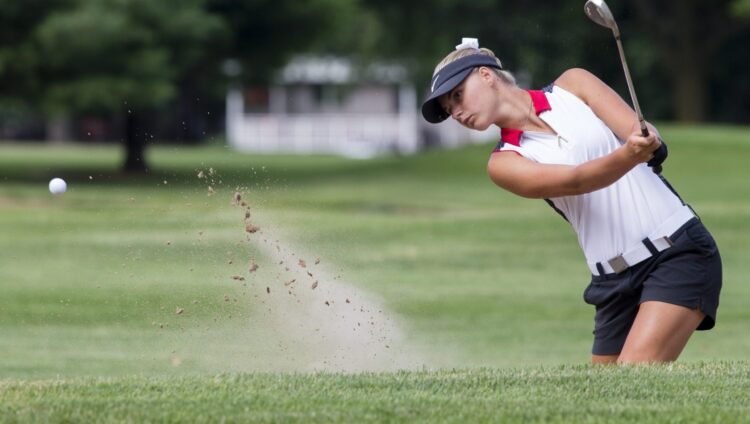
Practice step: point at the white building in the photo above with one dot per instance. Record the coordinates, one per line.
(328, 105)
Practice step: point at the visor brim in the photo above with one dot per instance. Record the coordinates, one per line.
(431, 109)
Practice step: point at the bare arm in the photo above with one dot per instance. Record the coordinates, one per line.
(603, 100)
(535, 180)
(530, 179)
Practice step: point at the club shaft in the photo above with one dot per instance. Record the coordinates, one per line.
(644, 130)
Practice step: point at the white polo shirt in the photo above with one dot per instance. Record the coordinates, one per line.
(609, 221)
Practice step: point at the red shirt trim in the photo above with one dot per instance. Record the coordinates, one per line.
(541, 104)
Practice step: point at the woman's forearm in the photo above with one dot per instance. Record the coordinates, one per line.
(601, 172)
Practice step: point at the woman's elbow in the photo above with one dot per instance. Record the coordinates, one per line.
(544, 183)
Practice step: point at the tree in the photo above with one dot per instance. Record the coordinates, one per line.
(18, 54)
(131, 57)
(671, 46)
(265, 33)
(542, 41)
(689, 33)
(121, 56)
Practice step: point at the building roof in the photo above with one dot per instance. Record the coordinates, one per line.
(338, 70)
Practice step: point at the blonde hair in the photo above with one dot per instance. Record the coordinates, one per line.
(458, 54)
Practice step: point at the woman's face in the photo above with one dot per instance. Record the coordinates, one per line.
(472, 102)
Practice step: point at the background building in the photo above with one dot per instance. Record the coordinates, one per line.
(331, 105)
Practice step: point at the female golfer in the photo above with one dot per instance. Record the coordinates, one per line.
(656, 270)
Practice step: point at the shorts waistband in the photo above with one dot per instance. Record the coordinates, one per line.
(658, 241)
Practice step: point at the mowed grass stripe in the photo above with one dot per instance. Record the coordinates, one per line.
(700, 392)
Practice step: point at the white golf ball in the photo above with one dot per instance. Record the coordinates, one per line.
(57, 186)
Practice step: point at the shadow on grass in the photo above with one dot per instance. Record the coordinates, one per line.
(180, 166)
(297, 171)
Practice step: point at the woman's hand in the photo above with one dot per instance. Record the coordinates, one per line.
(640, 148)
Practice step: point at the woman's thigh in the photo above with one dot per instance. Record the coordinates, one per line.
(660, 332)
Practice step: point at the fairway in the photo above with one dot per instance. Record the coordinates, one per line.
(142, 285)
(683, 393)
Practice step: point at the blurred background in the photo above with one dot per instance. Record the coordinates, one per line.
(340, 76)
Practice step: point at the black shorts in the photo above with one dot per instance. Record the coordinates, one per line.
(686, 274)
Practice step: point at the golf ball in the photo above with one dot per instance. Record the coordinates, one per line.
(57, 186)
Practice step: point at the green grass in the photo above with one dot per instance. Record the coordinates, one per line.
(716, 392)
(473, 277)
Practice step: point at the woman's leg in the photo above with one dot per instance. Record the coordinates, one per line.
(660, 332)
(604, 359)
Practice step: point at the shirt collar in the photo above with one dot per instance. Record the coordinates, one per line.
(541, 104)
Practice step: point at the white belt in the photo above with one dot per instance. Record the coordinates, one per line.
(656, 242)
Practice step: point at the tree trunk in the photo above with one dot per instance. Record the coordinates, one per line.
(691, 94)
(135, 160)
(58, 129)
(689, 33)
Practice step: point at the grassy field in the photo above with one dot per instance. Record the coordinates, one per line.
(715, 392)
(130, 298)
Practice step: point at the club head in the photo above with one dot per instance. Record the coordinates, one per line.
(598, 11)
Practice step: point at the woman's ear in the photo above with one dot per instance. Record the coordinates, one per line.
(487, 75)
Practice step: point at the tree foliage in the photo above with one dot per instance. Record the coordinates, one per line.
(740, 8)
(109, 56)
(19, 56)
(103, 57)
(104, 54)
(539, 41)
(672, 47)
(265, 33)
(689, 35)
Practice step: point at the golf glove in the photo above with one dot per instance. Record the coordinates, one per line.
(660, 155)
